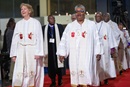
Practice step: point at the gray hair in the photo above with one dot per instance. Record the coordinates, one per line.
(80, 6)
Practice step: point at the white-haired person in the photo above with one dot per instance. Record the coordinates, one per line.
(81, 42)
(27, 50)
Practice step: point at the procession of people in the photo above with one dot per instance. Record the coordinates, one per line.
(96, 50)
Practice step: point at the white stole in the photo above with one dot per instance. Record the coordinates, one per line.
(46, 45)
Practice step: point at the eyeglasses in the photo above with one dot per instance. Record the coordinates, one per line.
(81, 11)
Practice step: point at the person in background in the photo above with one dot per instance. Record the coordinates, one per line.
(73, 17)
(108, 43)
(27, 50)
(117, 33)
(122, 48)
(81, 42)
(9, 35)
(52, 33)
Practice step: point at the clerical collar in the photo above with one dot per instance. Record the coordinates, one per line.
(51, 25)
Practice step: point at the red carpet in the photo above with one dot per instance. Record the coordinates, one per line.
(121, 80)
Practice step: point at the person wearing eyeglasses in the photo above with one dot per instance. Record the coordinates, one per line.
(81, 42)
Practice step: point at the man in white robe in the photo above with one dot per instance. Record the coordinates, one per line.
(108, 43)
(117, 34)
(81, 42)
(27, 51)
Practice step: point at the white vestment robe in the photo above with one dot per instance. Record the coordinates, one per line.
(81, 43)
(107, 65)
(26, 43)
(116, 31)
(125, 39)
(117, 34)
(127, 48)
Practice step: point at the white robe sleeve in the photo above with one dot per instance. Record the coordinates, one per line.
(39, 40)
(112, 39)
(117, 32)
(62, 49)
(15, 39)
(127, 36)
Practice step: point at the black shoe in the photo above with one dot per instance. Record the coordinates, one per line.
(100, 84)
(120, 72)
(53, 85)
(60, 83)
(106, 81)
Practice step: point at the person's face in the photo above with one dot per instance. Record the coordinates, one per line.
(106, 18)
(73, 17)
(120, 26)
(80, 14)
(98, 17)
(25, 12)
(51, 20)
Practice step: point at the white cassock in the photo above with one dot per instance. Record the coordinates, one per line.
(128, 49)
(116, 31)
(117, 34)
(26, 43)
(81, 43)
(125, 39)
(107, 65)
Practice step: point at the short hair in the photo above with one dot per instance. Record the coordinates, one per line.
(73, 15)
(120, 23)
(99, 13)
(11, 20)
(80, 6)
(29, 7)
(107, 14)
(51, 16)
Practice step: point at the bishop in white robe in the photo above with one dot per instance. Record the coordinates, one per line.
(27, 43)
(81, 43)
(117, 34)
(108, 42)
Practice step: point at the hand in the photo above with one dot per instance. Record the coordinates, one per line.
(113, 50)
(98, 56)
(37, 57)
(40, 61)
(13, 58)
(61, 58)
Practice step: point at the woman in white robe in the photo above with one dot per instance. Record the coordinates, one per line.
(27, 51)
